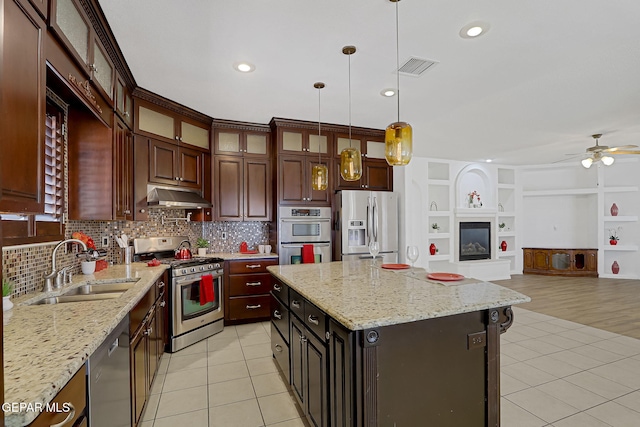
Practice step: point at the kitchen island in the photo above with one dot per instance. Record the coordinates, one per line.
(372, 347)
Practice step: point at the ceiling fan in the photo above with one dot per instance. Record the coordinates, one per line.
(599, 152)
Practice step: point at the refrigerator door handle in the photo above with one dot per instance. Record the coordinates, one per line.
(375, 218)
(368, 222)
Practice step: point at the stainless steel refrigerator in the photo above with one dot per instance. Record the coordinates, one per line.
(361, 216)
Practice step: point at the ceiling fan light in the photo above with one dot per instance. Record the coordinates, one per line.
(607, 160)
(587, 162)
(398, 143)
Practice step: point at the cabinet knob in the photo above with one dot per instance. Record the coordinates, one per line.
(303, 339)
(163, 303)
(93, 67)
(277, 315)
(295, 303)
(277, 287)
(181, 179)
(160, 285)
(142, 210)
(177, 138)
(177, 178)
(313, 319)
(278, 347)
(127, 212)
(126, 114)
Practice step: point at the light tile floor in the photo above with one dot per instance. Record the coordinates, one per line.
(555, 373)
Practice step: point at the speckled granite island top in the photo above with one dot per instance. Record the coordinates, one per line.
(361, 296)
(45, 345)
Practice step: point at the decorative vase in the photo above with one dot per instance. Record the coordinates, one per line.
(503, 246)
(6, 303)
(202, 251)
(88, 267)
(614, 210)
(432, 249)
(615, 268)
(613, 242)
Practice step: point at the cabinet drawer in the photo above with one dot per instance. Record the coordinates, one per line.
(139, 312)
(316, 320)
(296, 303)
(251, 265)
(280, 351)
(280, 317)
(252, 307)
(280, 290)
(75, 392)
(249, 284)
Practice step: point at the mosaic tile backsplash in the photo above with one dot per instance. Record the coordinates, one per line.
(26, 265)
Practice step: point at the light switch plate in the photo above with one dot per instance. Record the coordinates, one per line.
(224, 235)
(105, 241)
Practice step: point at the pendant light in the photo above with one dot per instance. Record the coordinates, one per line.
(350, 158)
(399, 135)
(319, 173)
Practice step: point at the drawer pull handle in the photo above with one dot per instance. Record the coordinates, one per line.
(313, 319)
(253, 307)
(277, 288)
(253, 266)
(163, 303)
(295, 303)
(72, 413)
(160, 285)
(254, 283)
(279, 348)
(303, 339)
(277, 315)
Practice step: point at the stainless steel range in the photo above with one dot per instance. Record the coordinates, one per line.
(195, 312)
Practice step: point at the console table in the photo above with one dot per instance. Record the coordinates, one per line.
(561, 262)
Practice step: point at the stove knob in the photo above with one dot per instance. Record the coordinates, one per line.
(184, 271)
(202, 268)
(210, 266)
(193, 269)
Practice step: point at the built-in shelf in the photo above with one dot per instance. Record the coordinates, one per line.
(625, 218)
(506, 254)
(618, 276)
(438, 257)
(439, 235)
(512, 214)
(438, 182)
(439, 213)
(512, 186)
(623, 189)
(621, 248)
(506, 233)
(468, 212)
(561, 192)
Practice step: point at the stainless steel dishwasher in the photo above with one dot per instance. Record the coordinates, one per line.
(108, 380)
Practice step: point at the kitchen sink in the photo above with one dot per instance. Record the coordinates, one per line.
(77, 298)
(100, 288)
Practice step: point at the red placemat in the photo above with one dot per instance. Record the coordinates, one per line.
(395, 266)
(445, 277)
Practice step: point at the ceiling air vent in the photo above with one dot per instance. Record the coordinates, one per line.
(416, 66)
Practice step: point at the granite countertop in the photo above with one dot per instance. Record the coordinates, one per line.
(45, 345)
(361, 296)
(237, 255)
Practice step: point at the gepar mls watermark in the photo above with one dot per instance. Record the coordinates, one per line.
(57, 407)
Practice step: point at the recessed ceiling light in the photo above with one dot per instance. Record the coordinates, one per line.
(474, 29)
(489, 160)
(244, 67)
(388, 92)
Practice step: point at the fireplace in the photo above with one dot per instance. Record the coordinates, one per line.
(475, 241)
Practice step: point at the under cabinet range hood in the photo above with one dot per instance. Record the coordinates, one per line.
(174, 198)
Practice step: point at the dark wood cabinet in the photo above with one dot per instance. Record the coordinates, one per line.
(22, 108)
(241, 139)
(561, 262)
(247, 284)
(163, 119)
(122, 172)
(171, 164)
(75, 393)
(341, 349)
(148, 339)
(242, 189)
(70, 22)
(377, 175)
(294, 181)
(123, 101)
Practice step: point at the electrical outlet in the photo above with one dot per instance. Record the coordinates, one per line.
(105, 241)
(224, 235)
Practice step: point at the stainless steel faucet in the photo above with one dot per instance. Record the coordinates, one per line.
(54, 276)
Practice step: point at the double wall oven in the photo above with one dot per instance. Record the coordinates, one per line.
(304, 226)
(195, 313)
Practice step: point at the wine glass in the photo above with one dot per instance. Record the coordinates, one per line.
(412, 254)
(374, 249)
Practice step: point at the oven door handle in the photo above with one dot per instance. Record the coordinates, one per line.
(296, 245)
(180, 281)
(306, 220)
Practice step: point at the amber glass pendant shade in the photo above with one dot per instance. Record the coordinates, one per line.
(398, 143)
(350, 164)
(319, 177)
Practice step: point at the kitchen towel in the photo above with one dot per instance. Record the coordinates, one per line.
(207, 294)
(307, 254)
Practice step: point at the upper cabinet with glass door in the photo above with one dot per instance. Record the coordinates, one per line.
(241, 139)
(298, 137)
(124, 102)
(158, 122)
(71, 24)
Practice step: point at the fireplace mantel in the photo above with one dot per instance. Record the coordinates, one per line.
(474, 212)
